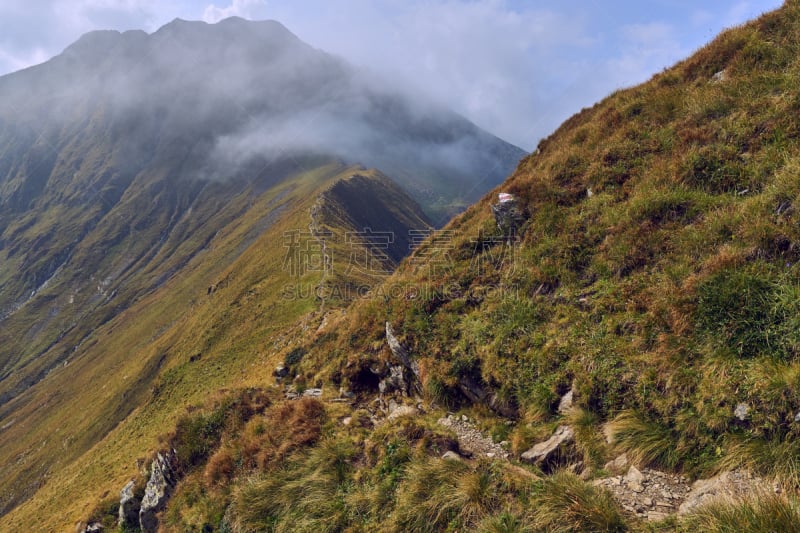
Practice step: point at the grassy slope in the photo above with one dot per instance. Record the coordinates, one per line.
(665, 297)
(657, 275)
(679, 268)
(87, 423)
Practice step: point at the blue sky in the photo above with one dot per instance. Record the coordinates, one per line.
(517, 68)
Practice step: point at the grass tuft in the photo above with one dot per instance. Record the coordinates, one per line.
(564, 503)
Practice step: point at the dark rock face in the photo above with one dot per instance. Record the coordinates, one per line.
(159, 488)
(403, 377)
(128, 507)
(509, 216)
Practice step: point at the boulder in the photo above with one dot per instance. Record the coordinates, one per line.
(729, 485)
(281, 371)
(158, 490)
(400, 352)
(128, 507)
(618, 465)
(565, 405)
(553, 452)
(508, 215)
(634, 479)
(402, 410)
(742, 411)
(451, 456)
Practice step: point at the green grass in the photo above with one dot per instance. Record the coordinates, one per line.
(765, 513)
(565, 503)
(665, 298)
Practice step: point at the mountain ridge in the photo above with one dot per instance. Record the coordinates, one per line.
(126, 164)
(645, 314)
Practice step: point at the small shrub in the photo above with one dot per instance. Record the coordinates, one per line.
(197, 436)
(504, 522)
(777, 457)
(563, 503)
(716, 169)
(736, 306)
(646, 442)
(294, 356)
(437, 493)
(765, 513)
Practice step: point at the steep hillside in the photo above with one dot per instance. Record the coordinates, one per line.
(656, 273)
(136, 170)
(213, 325)
(121, 158)
(655, 277)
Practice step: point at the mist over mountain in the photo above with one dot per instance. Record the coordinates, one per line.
(231, 98)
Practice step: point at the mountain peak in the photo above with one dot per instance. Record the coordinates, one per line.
(270, 29)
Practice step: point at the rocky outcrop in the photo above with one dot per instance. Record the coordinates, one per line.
(470, 439)
(735, 484)
(281, 371)
(646, 493)
(405, 376)
(566, 403)
(554, 452)
(128, 507)
(655, 495)
(158, 490)
(394, 381)
(618, 465)
(509, 216)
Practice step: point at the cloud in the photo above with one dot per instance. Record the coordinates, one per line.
(237, 8)
(515, 67)
(30, 34)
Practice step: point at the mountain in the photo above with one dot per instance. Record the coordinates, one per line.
(648, 305)
(143, 176)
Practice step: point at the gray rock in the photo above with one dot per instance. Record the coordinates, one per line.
(452, 456)
(402, 410)
(618, 465)
(93, 528)
(565, 405)
(547, 454)
(128, 516)
(634, 475)
(509, 217)
(728, 485)
(394, 381)
(312, 393)
(797, 417)
(344, 393)
(281, 371)
(158, 490)
(404, 358)
(741, 411)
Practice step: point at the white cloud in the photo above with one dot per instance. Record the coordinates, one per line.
(515, 67)
(237, 8)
